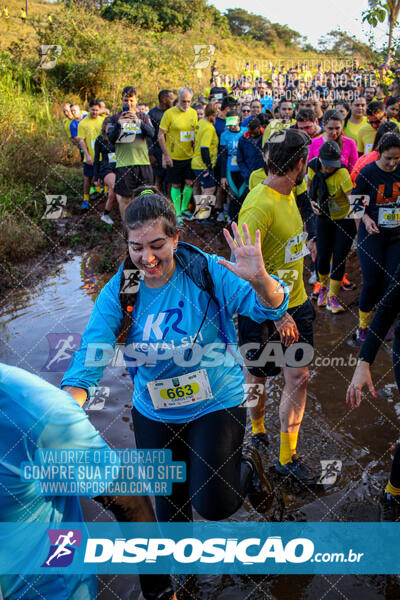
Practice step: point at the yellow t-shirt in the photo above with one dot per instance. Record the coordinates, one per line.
(351, 130)
(89, 129)
(339, 184)
(205, 137)
(66, 125)
(366, 138)
(274, 126)
(179, 126)
(259, 175)
(283, 241)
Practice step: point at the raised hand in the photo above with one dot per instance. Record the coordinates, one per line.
(249, 263)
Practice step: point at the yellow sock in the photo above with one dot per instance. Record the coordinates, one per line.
(364, 318)
(98, 189)
(287, 447)
(86, 197)
(334, 287)
(258, 425)
(390, 489)
(106, 188)
(323, 279)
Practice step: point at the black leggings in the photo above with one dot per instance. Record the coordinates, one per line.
(379, 256)
(334, 240)
(395, 471)
(217, 479)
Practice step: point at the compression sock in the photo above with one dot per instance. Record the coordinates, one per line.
(98, 189)
(257, 425)
(390, 489)
(86, 197)
(187, 194)
(364, 318)
(92, 189)
(334, 287)
(176, 200)
(323, 279)
(287, 447)
(106, 188)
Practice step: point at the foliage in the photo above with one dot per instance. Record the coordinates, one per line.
(340, 43)
(163, 15)
(377, 13)
(243, 23)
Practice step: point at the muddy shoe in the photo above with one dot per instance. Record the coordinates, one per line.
(260, 441)
(261, 493)
(390, 507)
(297, 470)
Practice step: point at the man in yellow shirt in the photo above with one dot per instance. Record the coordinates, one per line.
(366, 136)
(286, 112)
(176, 139)
(271, 208)
(88, 130)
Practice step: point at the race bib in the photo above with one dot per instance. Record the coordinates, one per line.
(180, 391)
(389, 217)
(131, 127)
(233, 161)
(187, 136)
(333, 207)
(368, 148)
(296, 248)
(112, 157)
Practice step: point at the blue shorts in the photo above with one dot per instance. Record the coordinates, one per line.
(206, 180)
(88, 170)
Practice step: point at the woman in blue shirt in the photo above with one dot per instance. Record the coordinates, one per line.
(175, 305)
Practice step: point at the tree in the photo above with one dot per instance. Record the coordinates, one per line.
(378, 12)
(340, 43)
(243, 23)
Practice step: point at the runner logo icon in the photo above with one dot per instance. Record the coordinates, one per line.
(63, 543)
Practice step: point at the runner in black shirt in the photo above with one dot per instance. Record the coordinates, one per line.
(165, 99)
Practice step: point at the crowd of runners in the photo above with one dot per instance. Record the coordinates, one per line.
(309, 159)
(304, 167)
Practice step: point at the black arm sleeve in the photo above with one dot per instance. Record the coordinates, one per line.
(114, 132)
(307, 214)
(205, 157)
(146, 125)
(387, 311)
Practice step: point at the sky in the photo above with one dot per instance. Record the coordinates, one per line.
(311, 18)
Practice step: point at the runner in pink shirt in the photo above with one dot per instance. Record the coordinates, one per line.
(333, 125)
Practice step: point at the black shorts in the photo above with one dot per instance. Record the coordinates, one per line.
(129, 178)
(106, 170)
(180, 172)
(267, 359)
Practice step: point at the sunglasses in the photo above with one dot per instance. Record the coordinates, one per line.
(246, 110)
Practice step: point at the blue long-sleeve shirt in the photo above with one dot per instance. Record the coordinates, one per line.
(165, 323)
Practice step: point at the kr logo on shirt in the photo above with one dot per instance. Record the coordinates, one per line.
(171, 318)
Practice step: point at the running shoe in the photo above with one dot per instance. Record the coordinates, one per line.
(316, 289)
(186, 214)
(107, 219)
(322, 296)
(334, 305)
(221, 217)
(261, 493)
(361, 334)
(390, 507)
(313, 278)
(297, 470)
(85, 205)
(260, 441)
(346, 284)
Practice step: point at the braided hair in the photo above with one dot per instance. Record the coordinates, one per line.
(148, 204)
